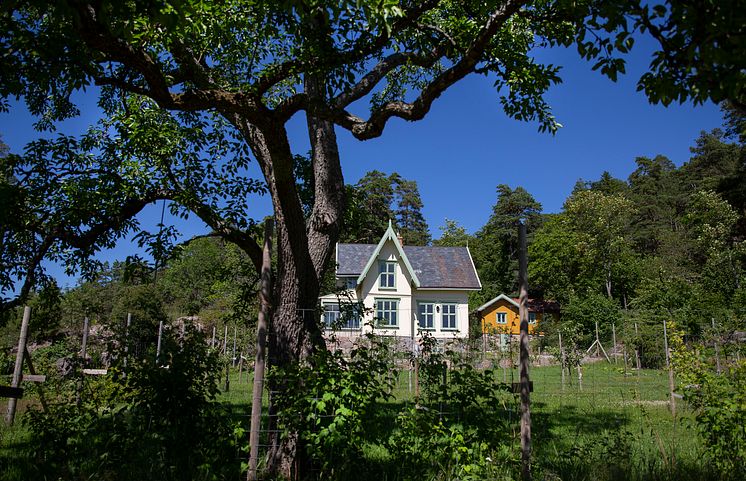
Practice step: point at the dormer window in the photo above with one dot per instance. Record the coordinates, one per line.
(387, 274)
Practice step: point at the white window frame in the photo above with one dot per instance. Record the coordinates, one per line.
(421, 315)
(329, 312)
(382, 310)
(503, 315)
(443, 316)
(532, 318)
(387, 274)
(351, 324)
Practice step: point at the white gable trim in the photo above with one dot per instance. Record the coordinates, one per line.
(389, 235)
(498, 298)
(474, 268)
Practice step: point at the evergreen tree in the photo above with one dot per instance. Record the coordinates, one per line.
(409, 219)
(496, 244)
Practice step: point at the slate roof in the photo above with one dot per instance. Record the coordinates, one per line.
(436, 267)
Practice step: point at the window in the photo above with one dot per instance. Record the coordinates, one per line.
(501, 318)
(448, 317)
(331, 315)
(348, 317)
(387, 279)
(427, 315)
(387, 312)
(350, 282)
(532, 318)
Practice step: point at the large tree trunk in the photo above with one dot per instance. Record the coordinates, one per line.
(304, 249)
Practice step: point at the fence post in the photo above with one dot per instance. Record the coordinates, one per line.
(524, 356)
(716, 346)
(233, 354)
(126, 341)
(83, 347)
(637, 351)
(18, 370)
(261, 339)
(670, 370)
(158, 346)
(562, 361)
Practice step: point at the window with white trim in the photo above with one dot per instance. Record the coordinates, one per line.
(387, 274)
(331, 315)
(501, 318)
(532, 318)
(427, 315)
(387, 312)
(448, 316)
(344, 317)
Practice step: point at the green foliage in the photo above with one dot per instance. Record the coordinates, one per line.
(378, 198)
(452, 235)
(337, 398)
(159, 420)
(495, 249)
(719, 400)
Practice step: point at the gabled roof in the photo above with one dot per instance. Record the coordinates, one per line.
(501, 297)
(433, 267)
(534, 305)
(389, 235)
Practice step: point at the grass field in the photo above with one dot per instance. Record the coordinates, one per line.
(617, 427)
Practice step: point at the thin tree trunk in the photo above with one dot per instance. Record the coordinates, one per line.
(259, 364)
(524, 358)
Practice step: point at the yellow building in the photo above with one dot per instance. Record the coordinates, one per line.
(500, 315)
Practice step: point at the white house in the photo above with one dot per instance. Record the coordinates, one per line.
(400, 290)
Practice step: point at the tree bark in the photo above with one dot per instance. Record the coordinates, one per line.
(304, 248)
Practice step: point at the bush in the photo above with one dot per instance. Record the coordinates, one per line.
(156, 421)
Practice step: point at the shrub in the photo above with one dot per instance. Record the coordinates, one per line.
(156, 421)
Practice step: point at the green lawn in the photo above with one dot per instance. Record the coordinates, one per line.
(617, 427)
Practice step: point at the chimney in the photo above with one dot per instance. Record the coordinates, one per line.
(401, 239)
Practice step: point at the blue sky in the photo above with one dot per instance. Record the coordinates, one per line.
(466, 145)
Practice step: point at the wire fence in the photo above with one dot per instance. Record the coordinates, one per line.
(600, 392)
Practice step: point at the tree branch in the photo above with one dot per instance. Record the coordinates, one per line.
(365, 46)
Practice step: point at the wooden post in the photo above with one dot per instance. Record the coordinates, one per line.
(716, 346)
(670, 371)
(624, 347)
(417, 378)
(225, 357)
(233, 355)
(637, 351)
(84, 344)
(240, 367)
(18, 370)
(524, 356)
(261, 340)
(32, 371)
(158, 346)
(126, 341)
(225, 341)
(83, 347)
(562, 361)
